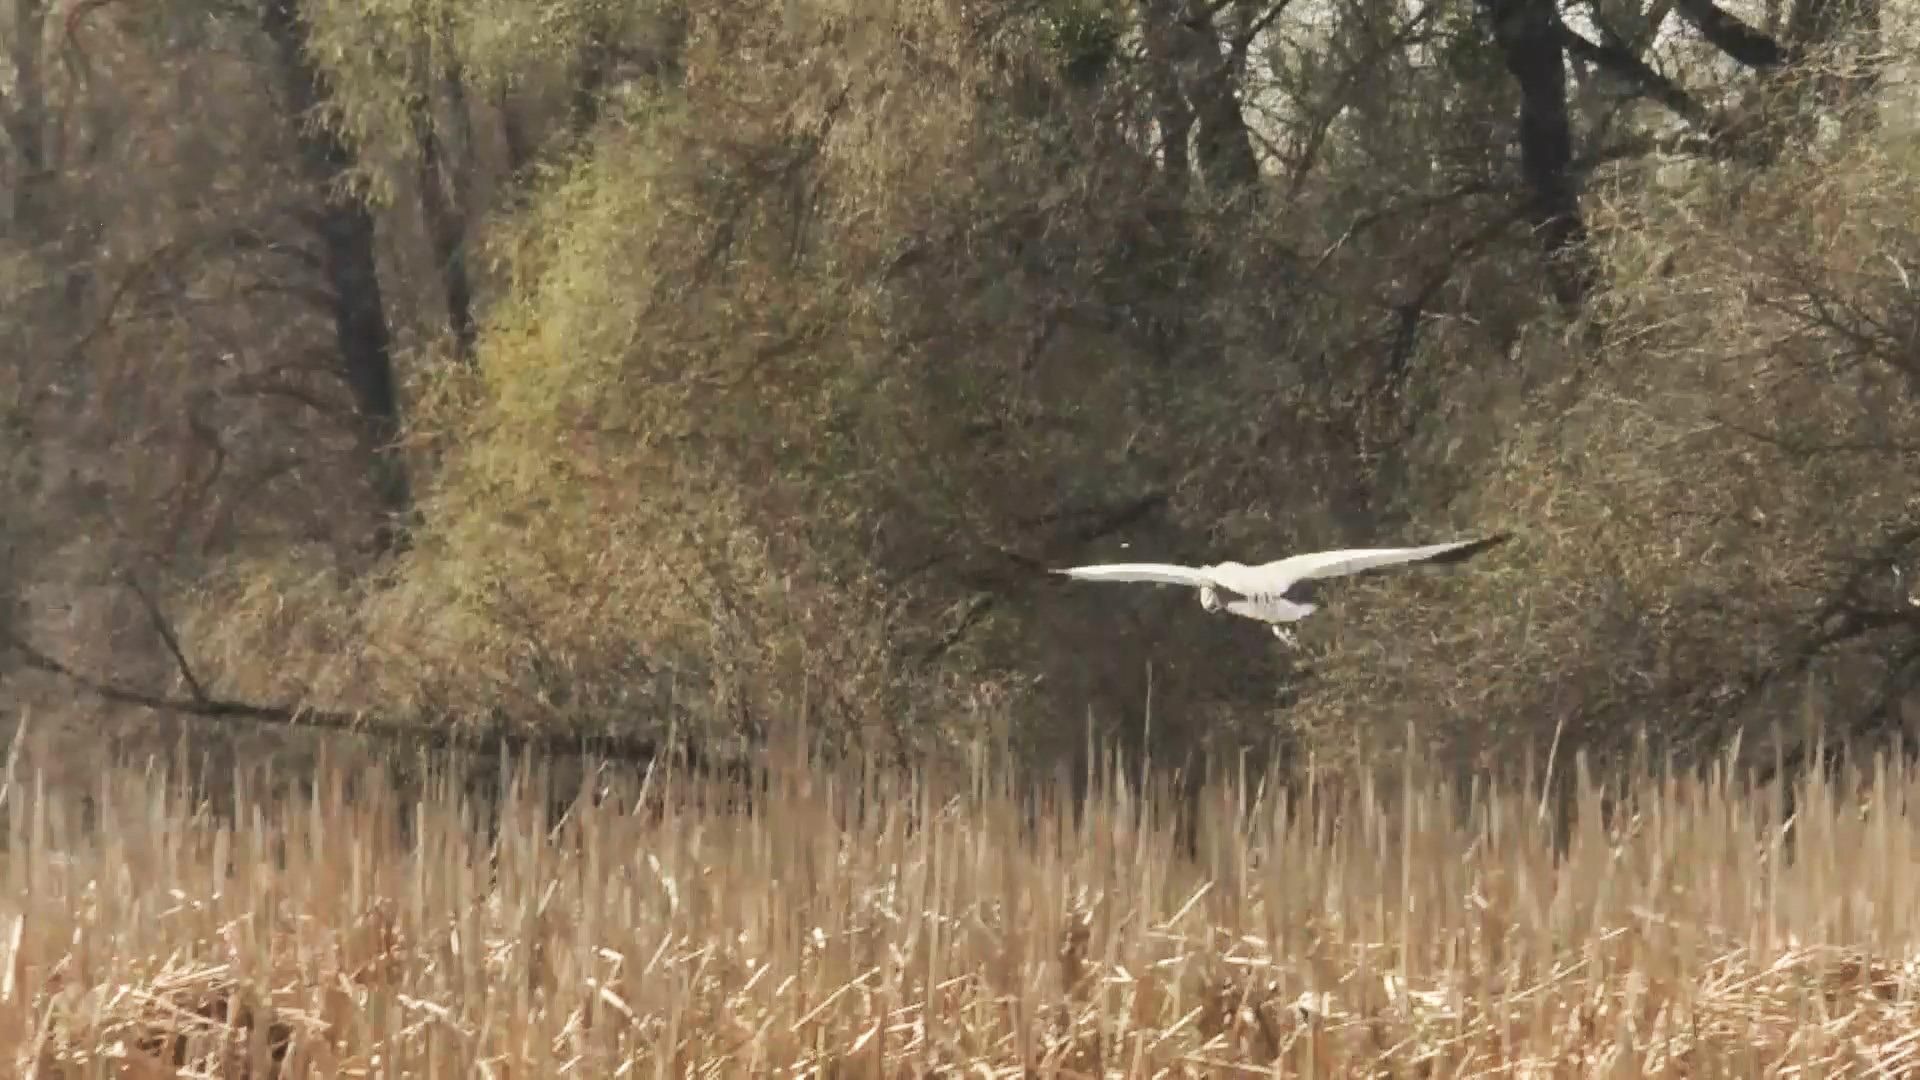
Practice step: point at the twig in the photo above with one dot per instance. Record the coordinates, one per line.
(167, 636)
(1546, 786)
(1791, 445)
(13, 756)
(977, 609)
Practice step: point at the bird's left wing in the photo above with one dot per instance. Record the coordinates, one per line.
(1326, 564)
(1163, 573)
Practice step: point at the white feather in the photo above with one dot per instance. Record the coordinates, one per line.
(1163, 573)
(1259, 592)
(1329, 564)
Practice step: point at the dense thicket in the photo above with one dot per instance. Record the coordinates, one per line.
(713, 366)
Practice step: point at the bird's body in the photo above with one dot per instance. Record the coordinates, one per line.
(1277, 592)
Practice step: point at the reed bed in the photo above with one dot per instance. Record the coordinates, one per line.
(849, 921)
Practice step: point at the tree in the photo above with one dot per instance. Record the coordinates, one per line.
(445, 189)
(1528, 34)
(1535, 41)
(23, 115)
(345, 228)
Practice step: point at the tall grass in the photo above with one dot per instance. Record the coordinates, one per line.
(851, 921)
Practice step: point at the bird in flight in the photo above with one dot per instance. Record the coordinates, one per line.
(1280, 592)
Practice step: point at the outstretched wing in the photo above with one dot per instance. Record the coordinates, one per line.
(1326, 564)
(1163, 573)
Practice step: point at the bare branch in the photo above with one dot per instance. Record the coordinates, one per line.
(494, 739)
(1807, 448)
(167, 636)
(1240, 42)
(975, 610)
(1650, 84)
(1733, 37)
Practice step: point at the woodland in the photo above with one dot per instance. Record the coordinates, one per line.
(694, 373)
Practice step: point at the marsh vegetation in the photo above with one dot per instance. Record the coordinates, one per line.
(707, 385)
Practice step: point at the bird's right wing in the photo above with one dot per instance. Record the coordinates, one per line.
(1326, 564)
(1163, 573)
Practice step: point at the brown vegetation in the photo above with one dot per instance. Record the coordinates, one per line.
(689, 374)
(857, 922)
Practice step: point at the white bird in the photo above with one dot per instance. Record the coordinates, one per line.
(1277, 592)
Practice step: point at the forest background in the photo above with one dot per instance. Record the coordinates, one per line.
(699, 370)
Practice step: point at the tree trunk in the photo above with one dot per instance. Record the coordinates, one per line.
(26, 119)
(590, 82)
(460, 113)
(514, 133)
(440, 209)
(1527, 32)
(346, 230)
(1169, 105)
(1225, 146)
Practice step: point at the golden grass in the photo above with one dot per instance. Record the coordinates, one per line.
(855, 923)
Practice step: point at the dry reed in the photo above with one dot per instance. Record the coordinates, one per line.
(854, 922)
